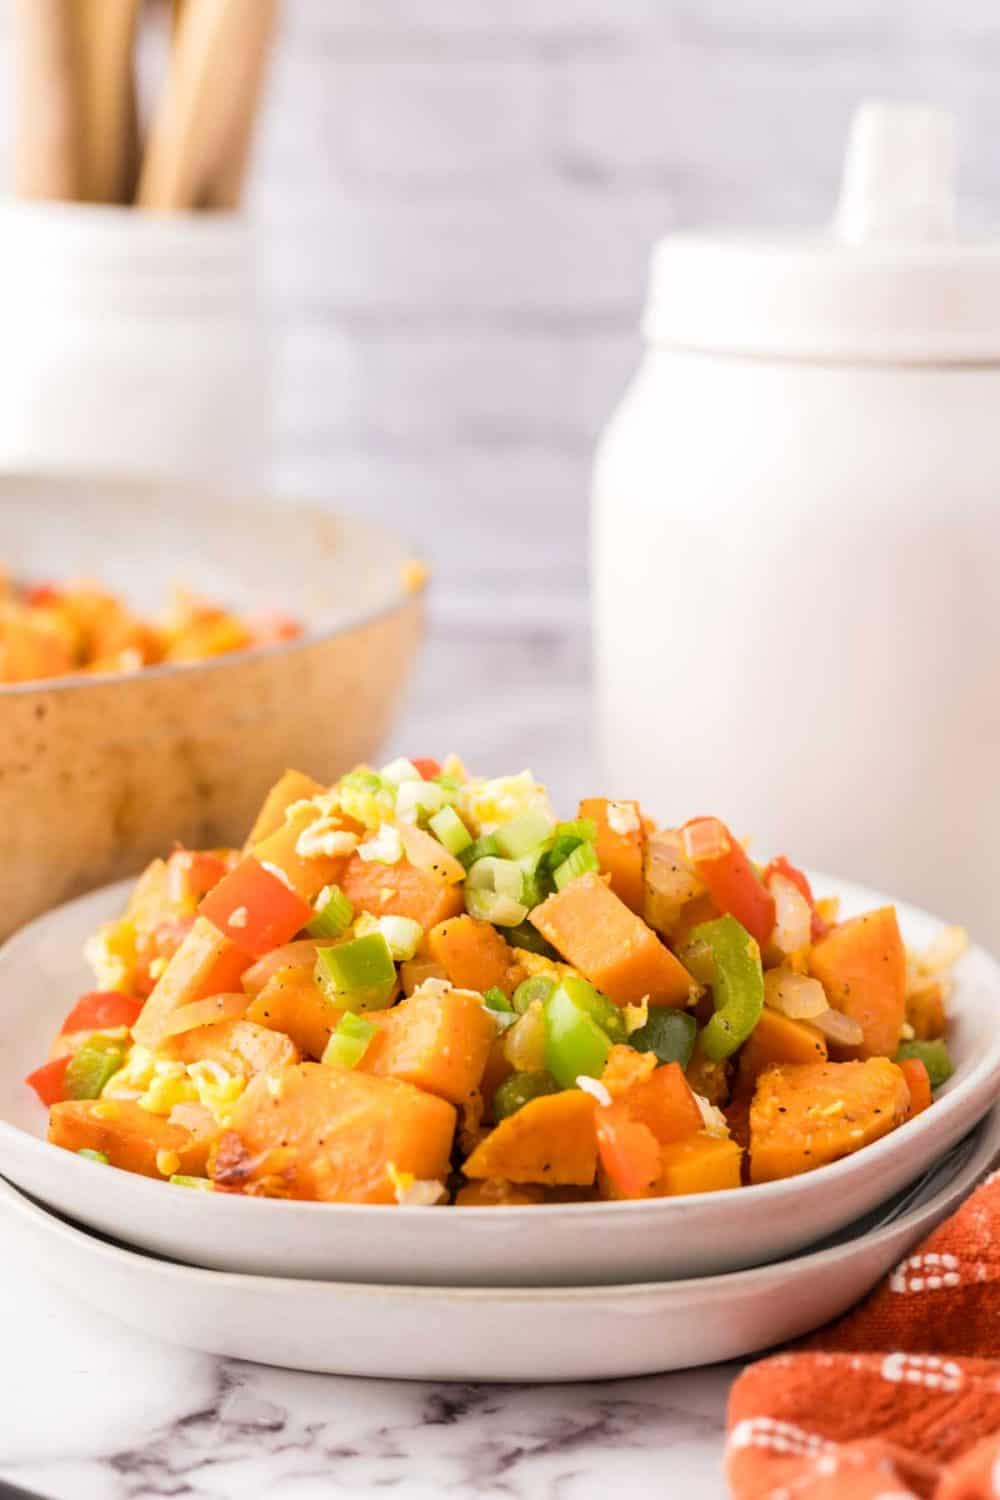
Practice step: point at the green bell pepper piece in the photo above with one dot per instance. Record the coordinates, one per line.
(91, 1067)
(737, 985)
(574, 1042)
(598, 1007)
(91, 1155)
(934, 1056)
(495, 999)
(670, 1033)
(359, 975)
(349, 1040)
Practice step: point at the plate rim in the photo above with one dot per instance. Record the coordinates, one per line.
(970, 1174)
(783, 1192)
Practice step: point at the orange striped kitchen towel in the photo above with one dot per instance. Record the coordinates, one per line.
(900, 1400)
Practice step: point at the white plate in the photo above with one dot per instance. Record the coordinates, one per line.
(578, 1244)
(462, 1333)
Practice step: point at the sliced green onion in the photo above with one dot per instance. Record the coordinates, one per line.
(518, 1090)
(582, 829)
(91, 1155)
(935, 1057)
(538, 987)
(479, 849)
(492, 906)
(523, 834)
(495, 999)
(491, 874)
(527, 937)
(403, 935)
(580, 862)
(91, 1067)
(334, 913)
(419, 800)
(349, 1040)
(203, 1184)
(359, 975)
(568, 836)
(399, 771)
(449, 830)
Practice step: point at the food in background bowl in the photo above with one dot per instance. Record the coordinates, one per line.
(419, 986)
(51, 630)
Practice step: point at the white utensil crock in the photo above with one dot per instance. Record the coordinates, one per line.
(796, 539)
(132, 344)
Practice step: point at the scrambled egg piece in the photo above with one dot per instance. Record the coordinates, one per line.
(160, 1083)
(486, 804)
(111, 953)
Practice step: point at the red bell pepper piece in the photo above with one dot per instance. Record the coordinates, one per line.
(732, 882)
(102, 1010)
(629, 1151)
(783, 866)
(255, 909)
(918, 1080)
(49, 1081)
(191, 874)
(427, 766)
(36, 594)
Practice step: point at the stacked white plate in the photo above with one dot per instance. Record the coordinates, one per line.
(556, 1292)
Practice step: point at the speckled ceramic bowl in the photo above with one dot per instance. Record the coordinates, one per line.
(99, 774)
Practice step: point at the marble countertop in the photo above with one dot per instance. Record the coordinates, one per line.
(90, 1410)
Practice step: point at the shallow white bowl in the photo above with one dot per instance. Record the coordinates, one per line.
(490, 1334)
(41, 973)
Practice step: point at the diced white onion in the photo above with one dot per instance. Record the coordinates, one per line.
(795, 995)
(792, 915)
(843, 1030)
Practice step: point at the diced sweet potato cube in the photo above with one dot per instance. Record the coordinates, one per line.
(619, 846)
(240, 1046)
(494, 1192)
(292, 1002)
(665, 1104)
(291, 787)
(400, 890)
(206, 963)
(925, 1011)
(306, 874)
(331, 1133)
(436, 1042)
(861, 965)
(473, 955)
(129, 1136)
(597, 933)
(777, 1039)
(551, 1140)
(700, 1164)
(808, 1114)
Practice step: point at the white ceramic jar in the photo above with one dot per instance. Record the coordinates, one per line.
(796, 539)
(132, 343)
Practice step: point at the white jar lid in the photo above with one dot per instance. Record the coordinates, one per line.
(890, 282)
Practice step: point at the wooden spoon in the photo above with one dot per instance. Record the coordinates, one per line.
(46, 144)
(104, 36)
(199, 142)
